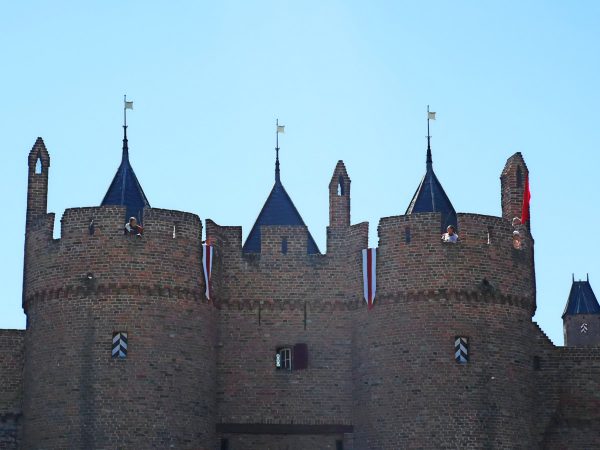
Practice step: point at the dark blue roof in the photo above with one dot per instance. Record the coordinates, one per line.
(126, 190)
(431, 197)
(278, 210)
(581, 299)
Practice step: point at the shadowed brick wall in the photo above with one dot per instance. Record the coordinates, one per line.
(409, 390)
(11, 387)
(197, 370)
(276, 299)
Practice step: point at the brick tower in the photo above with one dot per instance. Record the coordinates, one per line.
(120, 338)
(424, 375)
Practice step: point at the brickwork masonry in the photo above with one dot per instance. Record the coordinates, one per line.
(198, 371)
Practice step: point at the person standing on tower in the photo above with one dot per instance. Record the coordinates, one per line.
(132, 227)
(450, 235)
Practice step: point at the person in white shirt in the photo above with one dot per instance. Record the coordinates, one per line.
(450, 235)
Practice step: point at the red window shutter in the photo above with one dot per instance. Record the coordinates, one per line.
(300, 357)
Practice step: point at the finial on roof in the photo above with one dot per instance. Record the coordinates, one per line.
(278, 129)
(126, 105)
(430, 116)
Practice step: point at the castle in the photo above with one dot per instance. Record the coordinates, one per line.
(124, 349)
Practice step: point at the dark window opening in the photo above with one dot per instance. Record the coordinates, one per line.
(224, 444)
(284, 245)
(91, 227)
(489, 235)
(537, 363)
(407, 235)
(340, 186)
(339, 445)
(175, 230)
(38, 165)
(519, 177)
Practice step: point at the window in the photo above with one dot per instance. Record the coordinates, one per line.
(407, 235)
(283, 358)
(340, 186)
(38, 165)
(537, 363)
(284, 246)
(339, 445)
(292, 358)
(119, 344)
(224, 444)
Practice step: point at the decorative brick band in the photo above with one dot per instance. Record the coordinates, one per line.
(283, 428)
(87, 289)
(474, 296)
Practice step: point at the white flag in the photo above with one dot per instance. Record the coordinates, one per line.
(281, 128)
(431, 115)
(128, 105)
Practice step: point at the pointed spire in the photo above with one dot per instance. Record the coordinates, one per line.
(125, 188)
(277, 210)
(582, 299)
(430, 195)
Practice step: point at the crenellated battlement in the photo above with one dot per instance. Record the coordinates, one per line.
(412, 257)
(93, 246)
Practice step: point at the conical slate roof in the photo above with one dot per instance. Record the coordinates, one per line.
(125, 188)
(431, 197)
(278, 210)
(581, 300)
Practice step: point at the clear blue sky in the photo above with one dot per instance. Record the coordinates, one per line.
(350, 80)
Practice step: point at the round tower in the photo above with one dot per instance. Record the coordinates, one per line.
(120, 337)
(440, 360)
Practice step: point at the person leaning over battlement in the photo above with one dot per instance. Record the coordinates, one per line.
(450, 235)
(133, 228)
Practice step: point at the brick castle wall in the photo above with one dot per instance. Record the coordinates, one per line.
(195, 367)
(11, 387)
(272, 300)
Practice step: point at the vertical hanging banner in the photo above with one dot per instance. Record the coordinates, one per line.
(369, 278)
(526, 200)
(207, 257)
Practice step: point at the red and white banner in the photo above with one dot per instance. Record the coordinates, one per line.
(207, 257)
(369, 278)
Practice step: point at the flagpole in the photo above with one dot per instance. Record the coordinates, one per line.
(277, 149)
(125, 110)
(428, 160)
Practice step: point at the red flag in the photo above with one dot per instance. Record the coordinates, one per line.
(526, 198)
